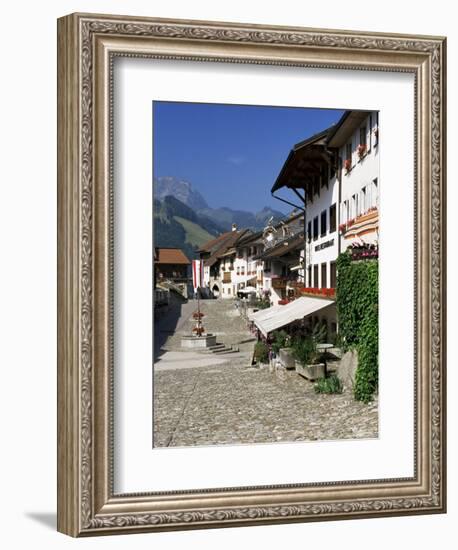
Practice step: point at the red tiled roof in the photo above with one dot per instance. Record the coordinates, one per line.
(209, 246)
(170, 256)
(219, 246)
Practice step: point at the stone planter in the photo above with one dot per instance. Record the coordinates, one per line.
(286, 358)
(311, 372)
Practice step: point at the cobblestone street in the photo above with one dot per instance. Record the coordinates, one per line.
(206, 399)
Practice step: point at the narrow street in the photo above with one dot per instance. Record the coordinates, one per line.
(209, 399)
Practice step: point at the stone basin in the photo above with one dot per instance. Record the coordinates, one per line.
(191, 341)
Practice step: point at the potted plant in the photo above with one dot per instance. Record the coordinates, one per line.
(280, 340)
(261, 352)
(307, 358)
(281, 347)
(347, 165)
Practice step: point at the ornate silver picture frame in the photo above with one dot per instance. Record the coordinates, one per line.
(87, 46)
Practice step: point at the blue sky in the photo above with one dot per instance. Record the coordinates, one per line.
(231, 154)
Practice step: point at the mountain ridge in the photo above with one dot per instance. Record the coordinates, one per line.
(224, 217)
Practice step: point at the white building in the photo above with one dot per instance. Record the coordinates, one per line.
(280, 256)
(218, 263)
(356, 137)
(334, 176)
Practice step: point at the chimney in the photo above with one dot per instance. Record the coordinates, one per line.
(234, 227)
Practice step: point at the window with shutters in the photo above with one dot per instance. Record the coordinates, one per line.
(323, 228)
(324, 278)
(333, 275)
(348, 154)
(315, 228)
(332, 218)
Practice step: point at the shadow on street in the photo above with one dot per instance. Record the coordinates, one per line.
(165, 323)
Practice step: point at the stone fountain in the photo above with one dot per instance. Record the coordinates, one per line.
(198, 339)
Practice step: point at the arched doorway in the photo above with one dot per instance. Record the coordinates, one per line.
(215, 290)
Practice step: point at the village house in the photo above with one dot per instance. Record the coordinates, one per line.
(218, 264)
(171, 272)
(280, 257)
(247, 270)
(171, 264)
(242, 263)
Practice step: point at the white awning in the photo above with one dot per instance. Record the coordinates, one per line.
(247, 290)
(263, 313)
(281, 316)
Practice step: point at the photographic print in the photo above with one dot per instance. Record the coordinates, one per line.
(220, 298)
(266, 250)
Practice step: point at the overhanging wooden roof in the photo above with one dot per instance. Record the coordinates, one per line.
(307, 160)
(343, 130)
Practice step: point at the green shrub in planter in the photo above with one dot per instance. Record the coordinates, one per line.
(320, 333)
(280, 340)
(261, 304)
(329, 385)
(305, 352)
(261, 352)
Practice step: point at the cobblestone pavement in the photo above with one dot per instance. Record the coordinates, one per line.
(205, 399)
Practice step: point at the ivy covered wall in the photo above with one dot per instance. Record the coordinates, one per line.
(357, 310)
